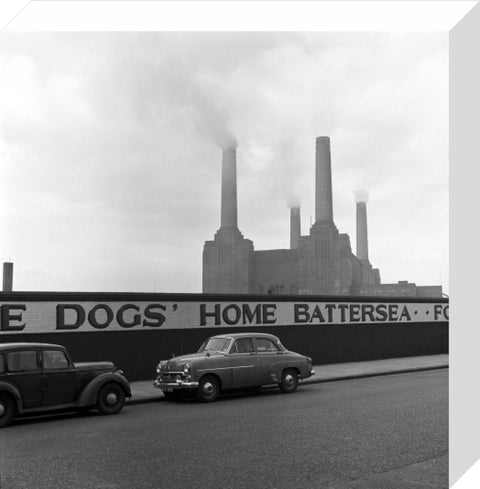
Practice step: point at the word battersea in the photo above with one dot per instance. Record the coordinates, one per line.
(365, 313)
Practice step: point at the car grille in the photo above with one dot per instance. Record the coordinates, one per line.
(169, 377)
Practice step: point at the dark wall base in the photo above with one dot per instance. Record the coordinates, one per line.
(138, 352)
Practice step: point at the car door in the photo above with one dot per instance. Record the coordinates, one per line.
(60, 382)
(268, 354)
(244, 363)
(24, 373)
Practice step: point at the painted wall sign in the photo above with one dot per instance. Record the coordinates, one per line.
(83, 316)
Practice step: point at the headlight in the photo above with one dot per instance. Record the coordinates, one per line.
(159, 369)
(186, 368)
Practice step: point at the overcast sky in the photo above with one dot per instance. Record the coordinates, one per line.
(111, 169)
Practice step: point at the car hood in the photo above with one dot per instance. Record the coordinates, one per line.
(179, 361)
(97, 366)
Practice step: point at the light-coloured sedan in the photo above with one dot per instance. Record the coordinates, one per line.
(233, 361)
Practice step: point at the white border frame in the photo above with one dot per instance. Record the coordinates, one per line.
(461, 18)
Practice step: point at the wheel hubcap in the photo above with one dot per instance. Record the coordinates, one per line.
(208, 388)
(289, 380)
(2, 409)
(111, 398)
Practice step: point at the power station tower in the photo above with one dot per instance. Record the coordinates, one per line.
(320, 270)
(370, 275)
(227, 260)
(362, 234)
(321, 263)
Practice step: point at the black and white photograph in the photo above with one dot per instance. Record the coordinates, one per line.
(225, 260)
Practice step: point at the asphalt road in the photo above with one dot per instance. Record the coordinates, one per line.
(375, 433)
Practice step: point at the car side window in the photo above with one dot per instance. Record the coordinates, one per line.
(54, 359)
(22, 361)
(264, 345)
(242, 345)
(2, 368)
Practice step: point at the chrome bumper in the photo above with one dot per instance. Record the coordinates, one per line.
(179, 384)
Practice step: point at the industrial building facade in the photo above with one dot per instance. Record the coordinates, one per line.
(321, 263)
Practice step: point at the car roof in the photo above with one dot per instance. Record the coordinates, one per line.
(10, 346)
(246, 335)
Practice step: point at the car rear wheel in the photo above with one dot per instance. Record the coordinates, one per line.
(289, 381)
(111, 398)
(7, 409)
(208, 389)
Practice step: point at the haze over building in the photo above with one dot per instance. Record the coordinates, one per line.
(320, 263)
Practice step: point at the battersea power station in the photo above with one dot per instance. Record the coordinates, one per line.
(320, 263)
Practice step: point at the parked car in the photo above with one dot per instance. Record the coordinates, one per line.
(233, 361)
(38, 377)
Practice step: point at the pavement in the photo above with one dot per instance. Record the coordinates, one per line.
(144, 392)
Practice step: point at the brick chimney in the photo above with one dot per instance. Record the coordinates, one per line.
(323, 181)
(294, 227)
(7, 277)
(229, 188)
(362, 235)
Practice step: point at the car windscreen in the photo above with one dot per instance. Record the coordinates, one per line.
(215, 344)
(54, 359)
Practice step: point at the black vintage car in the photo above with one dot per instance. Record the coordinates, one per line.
(38, 377)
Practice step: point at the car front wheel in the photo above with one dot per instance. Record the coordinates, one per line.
(7, 409)
(289, 381)
(208, 388)
(111, 398)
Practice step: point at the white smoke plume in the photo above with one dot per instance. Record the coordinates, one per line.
(361, 195)
(293, 201)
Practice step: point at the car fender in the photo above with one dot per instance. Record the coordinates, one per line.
(13, 391)
(277, 368)
(218, 366)
(89, 394)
